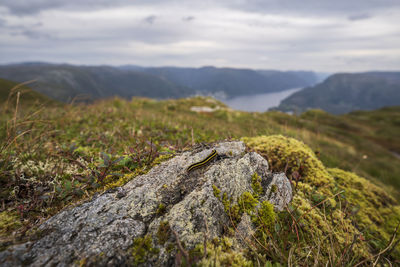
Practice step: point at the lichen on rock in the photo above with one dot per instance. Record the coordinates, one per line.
(236, 210)
(156, 209)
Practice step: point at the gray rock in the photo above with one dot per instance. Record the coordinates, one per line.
(102, 230)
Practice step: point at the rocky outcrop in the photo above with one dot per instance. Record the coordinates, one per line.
(160, 207)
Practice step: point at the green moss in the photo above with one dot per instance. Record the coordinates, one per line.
(331, 205)
(143, 249)
(226, 202)
(138, 171)
(256, 185)
(170, 247)
(294, 156)
(123, 180)
(220, 252)
(162, 158)
(163, 232)
(216, 191)
(266, 216)
(272, 264)
(161, 209)
(377, 213)
(274, 188)
(233, 210)
(247, 202)
(82, 262)
(9, 221)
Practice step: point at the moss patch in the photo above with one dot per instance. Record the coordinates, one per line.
(292, 155)
(266, 216)
(331, 209)
(161, 209)
(256, 185)
(143, 249)
(216, 191)
(220, 252)
(247, 202)
(163, 232)
(9, 221)
(375, 211)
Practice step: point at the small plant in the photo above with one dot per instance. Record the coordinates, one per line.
(143, 249)
(105, 167)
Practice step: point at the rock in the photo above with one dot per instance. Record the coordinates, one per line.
(204, 109)
(278, 191)
(164, 202)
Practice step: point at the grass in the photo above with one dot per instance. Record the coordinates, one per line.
(56, 155)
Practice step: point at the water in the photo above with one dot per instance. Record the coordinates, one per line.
(260, 102)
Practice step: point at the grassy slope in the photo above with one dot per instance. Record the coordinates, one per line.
(28, 97)
(67, 153)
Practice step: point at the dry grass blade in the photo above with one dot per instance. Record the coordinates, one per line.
(382, 251)
(181, 249)
(14, 140)
(15, 88)
(316, 205)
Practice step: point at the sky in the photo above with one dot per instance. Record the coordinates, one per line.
(319, 35)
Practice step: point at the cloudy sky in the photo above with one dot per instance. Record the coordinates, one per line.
(320, 35)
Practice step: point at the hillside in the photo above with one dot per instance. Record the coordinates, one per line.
(342, 93)
(234, 82)
(28, 97)
(343, 171)
(291, 79)
(66, 82)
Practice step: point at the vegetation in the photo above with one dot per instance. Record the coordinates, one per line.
(61, 154)
(141, 249)
(335, 217)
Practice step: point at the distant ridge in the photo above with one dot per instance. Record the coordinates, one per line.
(344, 92)
(65, 82)
(234, 82)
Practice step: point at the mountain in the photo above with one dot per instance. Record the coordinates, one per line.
(290, 79)
(233, 82)
(342, 93)
(66, 82)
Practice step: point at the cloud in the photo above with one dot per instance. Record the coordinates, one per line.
(31, 7)
(282, 34)
(359, 17)
(32, 34)
(311, 7)
(150, 19)
(3, 22)
(188, 18)
(24, 7)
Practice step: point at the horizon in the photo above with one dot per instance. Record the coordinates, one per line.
(191, 67)
(344, 36)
